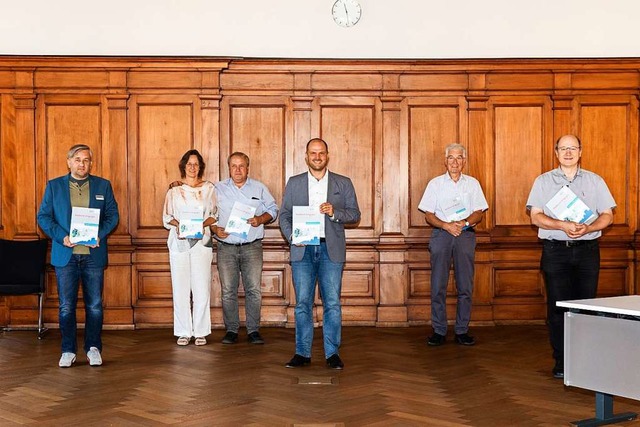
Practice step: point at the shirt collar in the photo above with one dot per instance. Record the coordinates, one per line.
(448, 177)
(313, 178)
(230, 183)
(558, 172)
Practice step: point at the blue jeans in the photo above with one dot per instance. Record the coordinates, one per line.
(68, 278)
(234, 261)
(316, 266)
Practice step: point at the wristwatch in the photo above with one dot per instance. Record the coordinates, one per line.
(466, 224)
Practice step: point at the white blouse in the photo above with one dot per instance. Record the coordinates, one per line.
(181, 196)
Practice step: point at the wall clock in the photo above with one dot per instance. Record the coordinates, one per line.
(346, 13)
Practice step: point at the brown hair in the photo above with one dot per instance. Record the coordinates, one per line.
(185, 158)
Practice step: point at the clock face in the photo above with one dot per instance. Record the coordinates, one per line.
(346, 13)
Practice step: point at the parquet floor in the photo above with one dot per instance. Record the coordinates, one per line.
(391, 378)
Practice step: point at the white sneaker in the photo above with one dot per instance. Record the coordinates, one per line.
(66, 360)
(93, 356)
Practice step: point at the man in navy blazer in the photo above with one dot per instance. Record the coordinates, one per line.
(335, 197)
(75, 262)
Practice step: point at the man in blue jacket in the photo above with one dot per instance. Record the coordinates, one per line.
(75, 262)
(334, 197)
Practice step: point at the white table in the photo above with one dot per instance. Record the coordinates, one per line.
(602, 352)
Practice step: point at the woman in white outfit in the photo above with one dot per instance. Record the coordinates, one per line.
(190, 258)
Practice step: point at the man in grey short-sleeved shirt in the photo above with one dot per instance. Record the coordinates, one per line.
(570, 252)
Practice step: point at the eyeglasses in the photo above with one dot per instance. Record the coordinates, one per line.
(193, 165)
(452, 158)
(569, 149)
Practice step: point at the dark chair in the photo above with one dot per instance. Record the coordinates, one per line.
(22, 271)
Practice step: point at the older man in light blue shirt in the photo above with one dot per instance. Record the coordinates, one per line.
(453, 203)
(240, 254)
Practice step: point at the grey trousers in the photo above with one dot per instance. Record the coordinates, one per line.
(233, 262)
(445, 248)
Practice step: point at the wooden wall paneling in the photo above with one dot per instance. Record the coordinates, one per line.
(8, 162)
(302, 103)
(418, 284)
(562, 98)
(480, 163)
(274, 293)
(4, 306)
(302, 134)
(352, 127)
(522, 128)
(210, 109)
(302, 108)
(479, 145)
(117, 295)
(419, 289)
(70, 79)
(118, 299)
(418, 298)
(608, 128)
(518, 286)
(395, 174)
(617, 274)
(260, 127)
(386, 123)
(609, 125)
(64, 120)
(433, 123)
(161, 129)
(392, 276)
(152, 296)
(27, 198)
(115, 161)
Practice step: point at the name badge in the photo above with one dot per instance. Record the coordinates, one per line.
(99, 197)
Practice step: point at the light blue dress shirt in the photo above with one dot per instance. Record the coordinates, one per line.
(253, 193)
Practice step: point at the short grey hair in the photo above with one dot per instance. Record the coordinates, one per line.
(455, 146)
(79, 147)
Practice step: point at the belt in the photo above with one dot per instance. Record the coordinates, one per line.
(239, 244)
(569, 243)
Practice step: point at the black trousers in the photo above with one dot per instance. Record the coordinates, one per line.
(570, 272)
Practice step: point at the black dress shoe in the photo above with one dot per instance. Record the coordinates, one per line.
(558, 369)
(465, 339)
(436, 339)
(230, 338)
(334, 362)
(255, 338)
(298, 361)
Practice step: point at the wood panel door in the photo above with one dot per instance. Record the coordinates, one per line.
(431, 125)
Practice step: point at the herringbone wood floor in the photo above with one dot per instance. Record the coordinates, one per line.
(391, 378)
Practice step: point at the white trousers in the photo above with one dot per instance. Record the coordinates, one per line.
(191, 278)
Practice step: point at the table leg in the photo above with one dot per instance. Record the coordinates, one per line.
(604, 413)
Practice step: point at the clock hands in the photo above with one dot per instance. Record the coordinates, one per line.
(351, 13)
